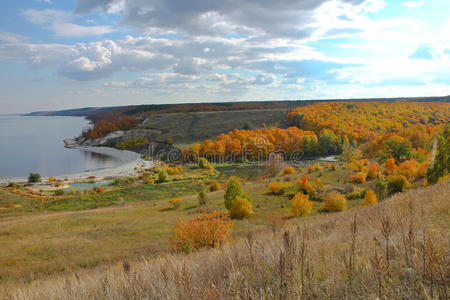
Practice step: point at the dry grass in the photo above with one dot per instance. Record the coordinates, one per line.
(397, 249)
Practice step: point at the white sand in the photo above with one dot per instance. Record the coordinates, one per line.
(130, 161)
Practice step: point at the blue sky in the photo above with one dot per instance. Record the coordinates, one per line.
(57, 54)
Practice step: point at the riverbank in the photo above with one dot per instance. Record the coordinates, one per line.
(131, 161)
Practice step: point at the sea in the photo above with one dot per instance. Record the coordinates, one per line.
(35, 144)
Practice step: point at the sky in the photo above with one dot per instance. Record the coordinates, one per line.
(59, 54)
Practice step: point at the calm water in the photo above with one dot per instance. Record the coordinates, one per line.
(35, 144)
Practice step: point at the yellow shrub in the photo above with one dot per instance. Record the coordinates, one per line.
(151, 181)
(214, 186)
(51, 179)
(171, 171)
(207, 230)
(301, 206)
(179, 169)
(370, 198)
(176, 202)
(278, 188)
(334, 201)
(316, 167)
(240, 208)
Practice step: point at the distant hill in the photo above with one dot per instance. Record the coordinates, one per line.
(76, 112)
(213, 106)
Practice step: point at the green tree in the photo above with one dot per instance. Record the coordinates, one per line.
(398, 149)
(441, 164)
(163, 176)
(234, 189)
(34, 177)
(203, 197)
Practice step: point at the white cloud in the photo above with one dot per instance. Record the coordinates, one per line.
(75, 30)
(59, 22)
(413, 4)
(9, 37)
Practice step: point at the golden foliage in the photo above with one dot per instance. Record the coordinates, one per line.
(214, 186)
(240, 208)
(390, 165)
(288, 170)
(318, 182)
(370, 198)
(334, 201)
(208, 230)
(278, 188)
(359, 177)
(176, 202)
(301, 206)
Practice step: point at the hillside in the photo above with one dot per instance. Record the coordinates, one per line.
(396, 249)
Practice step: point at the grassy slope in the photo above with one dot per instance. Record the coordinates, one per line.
(236, 272)
(93, 230)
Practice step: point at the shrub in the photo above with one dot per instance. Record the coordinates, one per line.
(151, 181)
(318, 182)
(300, 170)
(99, 190)
(316, 167)
(278, 188)
(408, 169)
(59, 192)
(373, 172)
(301, 206)
(359, 177)
(356, 195)
(34, 177)
(234, 189)
(203, 163)
(202, 197)
(370, 198)
(207, 230)
(179, 169)
(390, 165)
(288, 170)
(163, 176)
(122, 181)
(309, 168)
(305, 186)
(176, 202)
(334, 201)
(51, 179)
(397, 184)
(170, 171)
(240, 208)
(214, 186)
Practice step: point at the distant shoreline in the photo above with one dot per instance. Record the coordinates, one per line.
(130, 161)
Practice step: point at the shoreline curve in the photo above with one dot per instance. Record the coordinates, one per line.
(130, 160)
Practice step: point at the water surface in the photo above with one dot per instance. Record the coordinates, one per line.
(35, 144)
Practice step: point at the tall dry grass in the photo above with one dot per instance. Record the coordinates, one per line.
(397, 249)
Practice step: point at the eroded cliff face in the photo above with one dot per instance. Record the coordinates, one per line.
(190, 127)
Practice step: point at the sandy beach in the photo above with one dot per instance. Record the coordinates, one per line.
(130, 162)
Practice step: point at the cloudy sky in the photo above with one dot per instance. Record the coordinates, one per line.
(57, 54)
